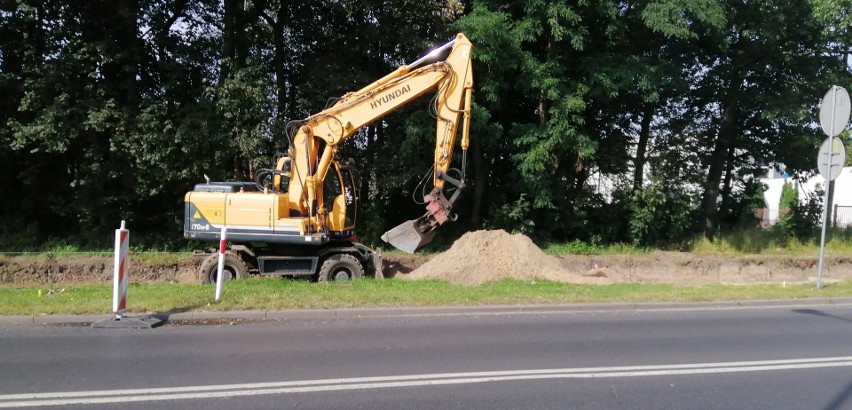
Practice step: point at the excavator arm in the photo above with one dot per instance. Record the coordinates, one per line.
(318, 137)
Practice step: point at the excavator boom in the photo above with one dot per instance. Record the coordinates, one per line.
(414, 234)
(453, 80)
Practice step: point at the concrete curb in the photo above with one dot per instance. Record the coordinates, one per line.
(441, 311)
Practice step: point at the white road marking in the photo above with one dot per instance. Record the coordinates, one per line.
(438, 379)
(626, 307)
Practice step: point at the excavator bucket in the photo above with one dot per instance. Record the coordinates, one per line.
(407, 238)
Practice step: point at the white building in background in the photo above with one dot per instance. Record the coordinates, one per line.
(842, 201)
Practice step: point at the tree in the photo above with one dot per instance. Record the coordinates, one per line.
(113, 111)
(567, 86)
(752, 96)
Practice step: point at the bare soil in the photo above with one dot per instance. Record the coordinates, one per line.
(479, 257)
(484, 256)
(26, 270)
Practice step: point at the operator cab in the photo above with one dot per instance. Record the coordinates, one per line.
(340, 196)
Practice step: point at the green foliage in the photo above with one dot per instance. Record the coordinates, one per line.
(113, 111)
(243, 106)
(585, 248)
(515, 217)
(370, 225)
(789, 198)
(675, 18)
(661, 214)
(741, 209)
(803, 220)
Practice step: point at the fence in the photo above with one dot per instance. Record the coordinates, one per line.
(767, 217)
(841, 216)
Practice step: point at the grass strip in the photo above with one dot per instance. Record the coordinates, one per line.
(265, 294)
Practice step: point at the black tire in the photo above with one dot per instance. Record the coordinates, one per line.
(234, 268)
(340, 267)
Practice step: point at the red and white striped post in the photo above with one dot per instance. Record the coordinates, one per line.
(219, 281)
(119, 287)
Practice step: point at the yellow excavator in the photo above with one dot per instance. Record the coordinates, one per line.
(298, 219)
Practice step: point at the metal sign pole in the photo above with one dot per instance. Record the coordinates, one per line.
(827, 181)
(833, 118)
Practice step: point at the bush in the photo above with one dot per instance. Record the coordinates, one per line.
(660, 214)
(803, 220)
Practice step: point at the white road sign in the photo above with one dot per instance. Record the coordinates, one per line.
(831, 158)
(834, 111)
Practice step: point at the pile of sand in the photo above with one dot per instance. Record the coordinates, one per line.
(484, 256)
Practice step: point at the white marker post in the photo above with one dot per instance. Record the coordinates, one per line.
(119, 283)
(219, 281)
(121, 276)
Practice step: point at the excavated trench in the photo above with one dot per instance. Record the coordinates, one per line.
(475, 258)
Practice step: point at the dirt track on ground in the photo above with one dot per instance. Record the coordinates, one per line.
(479, 257)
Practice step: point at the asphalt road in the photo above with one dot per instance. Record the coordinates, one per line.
(781, 357)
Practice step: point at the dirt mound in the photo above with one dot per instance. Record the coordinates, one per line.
(484, 256)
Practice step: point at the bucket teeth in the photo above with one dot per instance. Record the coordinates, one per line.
(407, 237)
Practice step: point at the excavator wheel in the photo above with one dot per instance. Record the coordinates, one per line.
(340, 267)
(234, 268)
